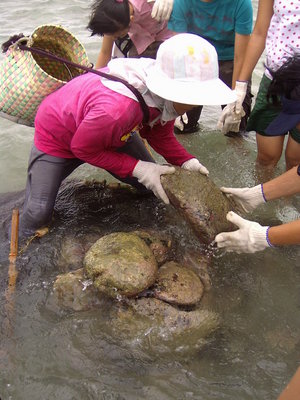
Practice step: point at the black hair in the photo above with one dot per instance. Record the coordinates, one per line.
(286, 80)
(109, 16)
(13, 39)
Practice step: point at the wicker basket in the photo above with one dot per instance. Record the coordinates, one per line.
(26, 78)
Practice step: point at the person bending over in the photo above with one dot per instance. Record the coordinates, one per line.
(128, 28)
(92, 120)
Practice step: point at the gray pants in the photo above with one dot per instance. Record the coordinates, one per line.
(45, 175)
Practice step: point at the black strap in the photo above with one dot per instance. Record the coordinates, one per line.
(124, 44)
(137, 94)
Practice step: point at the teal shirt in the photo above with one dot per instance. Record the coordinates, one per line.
(217, 21)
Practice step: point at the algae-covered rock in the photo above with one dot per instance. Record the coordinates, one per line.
(179, 285)
(120, 264)
(200, 202)
(74, 291)
(160, 245)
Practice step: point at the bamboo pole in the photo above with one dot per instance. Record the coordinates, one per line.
(12, 271)
(14, 239)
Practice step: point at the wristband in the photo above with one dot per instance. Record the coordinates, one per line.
(298, 170)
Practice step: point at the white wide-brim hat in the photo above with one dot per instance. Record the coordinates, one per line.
(186, 71)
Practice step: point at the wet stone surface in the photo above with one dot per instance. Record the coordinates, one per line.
(75, 291)
(120, 264)
(164, 300)
(200, 202)
(161, 321)
(177, 284)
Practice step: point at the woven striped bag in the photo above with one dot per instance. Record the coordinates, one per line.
(27, 78)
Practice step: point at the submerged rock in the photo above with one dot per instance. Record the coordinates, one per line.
(157, 321)
(74, 291)
(152, 279)
(73, 249)
(200, 202)
(120, 264)
(142, 319)
(179, 285)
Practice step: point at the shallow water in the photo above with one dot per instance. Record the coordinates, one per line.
(76, 355)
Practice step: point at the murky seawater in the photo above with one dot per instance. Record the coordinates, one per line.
(47, 354)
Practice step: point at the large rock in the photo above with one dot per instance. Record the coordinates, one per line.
(124, 264)
(181, 284)
(120, 264)
(200, 202)
(178, 285)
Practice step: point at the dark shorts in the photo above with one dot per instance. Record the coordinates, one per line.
(264, 112)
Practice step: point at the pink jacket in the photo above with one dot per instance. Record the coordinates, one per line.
(144, 29)
(86, 120)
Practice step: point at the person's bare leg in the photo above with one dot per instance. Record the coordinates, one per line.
(269, 150)
(292, 153)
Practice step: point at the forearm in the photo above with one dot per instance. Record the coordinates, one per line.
(255, 49)
(284, 185)
(257, 41)
(285, 234)
(102, 60)
(292, 390)
(105, 53)
(240, 46)
(163, 141)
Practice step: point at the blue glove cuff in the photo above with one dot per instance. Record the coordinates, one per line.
(267, 237)
(262, 192)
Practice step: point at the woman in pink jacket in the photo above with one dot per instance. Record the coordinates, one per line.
(93, 120)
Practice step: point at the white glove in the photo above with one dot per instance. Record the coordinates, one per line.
(240, 91)
(247, 198)
(161, 9)
(194, 165)
(232, 114)
(249, 238)
(230, 121)
(148, 173)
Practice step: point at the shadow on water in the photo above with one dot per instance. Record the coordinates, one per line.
(58, 354)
